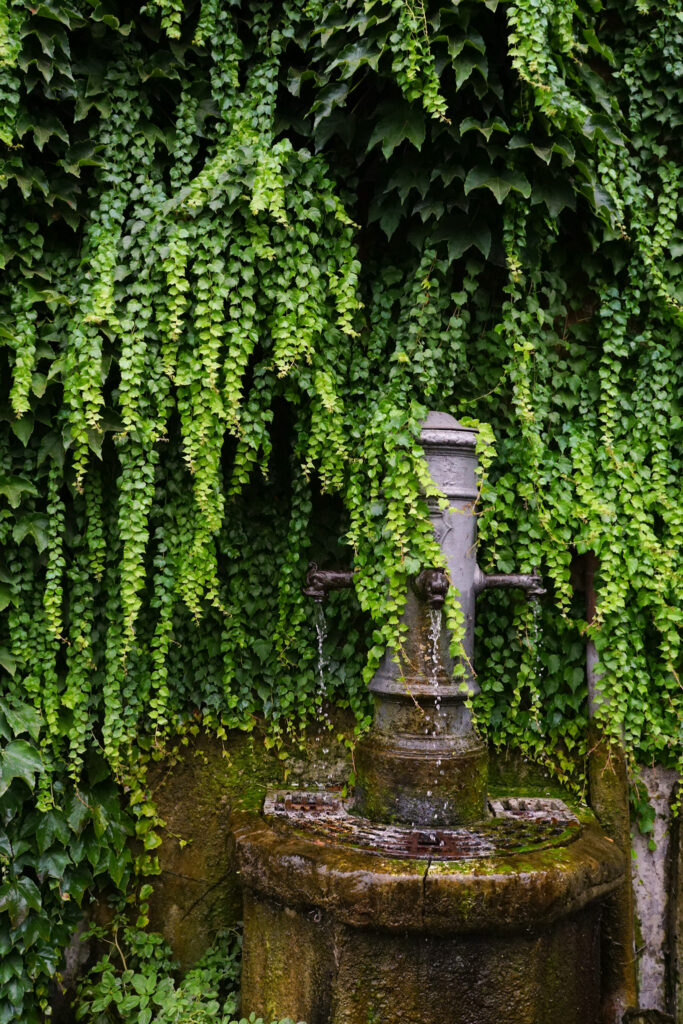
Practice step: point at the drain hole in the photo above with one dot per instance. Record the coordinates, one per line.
(429, 839)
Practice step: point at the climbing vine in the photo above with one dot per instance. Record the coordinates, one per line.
(245, 247)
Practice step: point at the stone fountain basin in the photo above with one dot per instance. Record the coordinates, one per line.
(519, 886)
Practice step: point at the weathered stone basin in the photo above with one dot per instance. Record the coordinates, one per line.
(338, 933)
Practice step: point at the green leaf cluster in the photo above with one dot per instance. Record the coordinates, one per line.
(135, 980)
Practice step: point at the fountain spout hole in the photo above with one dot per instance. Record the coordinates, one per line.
(319, 582)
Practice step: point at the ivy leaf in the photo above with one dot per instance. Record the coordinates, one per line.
(338, 123)
(560, 145)
(31, 179)
(329, 98)
(22, 718)
(23, 428)
(52, 825)
(80, 155)
(17, 897)
(480, 235)
(594, 43)
(355, 56)
(485, 128)
(19, 760)
(47, 128)
(77, 881)
(117, 867)
(408, 176)
(596, 195)
(52, 446)
(676, 248)
(461, 235)
(398, 123)
(32, 525)
(161, 64)
(297, 76)
(111, 21)
(388, 212)
(7, 661)
(77, 812)
(465, 64)
(500, 184)
(12, 487)
(53, 863)
(59, 12)
(97, 767)
(5, 844)
(555, 194)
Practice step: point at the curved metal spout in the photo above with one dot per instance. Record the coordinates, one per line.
(319, 582)
(529, 581)
(432, 586)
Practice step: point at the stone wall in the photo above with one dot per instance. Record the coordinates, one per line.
(655, 899)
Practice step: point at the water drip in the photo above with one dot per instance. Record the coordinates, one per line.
(434, 635)
(434, 664)
(321, 632)
(536, 627)
(536, 633)
(535, 638)
(324, 723)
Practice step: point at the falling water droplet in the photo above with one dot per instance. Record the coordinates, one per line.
(536, 629)
(434, 667)
(323, 721)
(434, 638)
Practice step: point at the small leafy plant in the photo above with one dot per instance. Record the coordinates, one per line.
(136, 981)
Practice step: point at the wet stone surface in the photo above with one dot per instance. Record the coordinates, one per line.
(515, 826)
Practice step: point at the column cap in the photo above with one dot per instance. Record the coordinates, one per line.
(440, 428)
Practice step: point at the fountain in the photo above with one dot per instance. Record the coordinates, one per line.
(419, 899)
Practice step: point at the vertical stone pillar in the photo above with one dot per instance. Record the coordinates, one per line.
(422, 761)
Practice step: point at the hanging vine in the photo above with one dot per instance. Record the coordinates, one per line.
(245, 248)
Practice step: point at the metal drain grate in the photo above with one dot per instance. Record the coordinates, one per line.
(517, 825)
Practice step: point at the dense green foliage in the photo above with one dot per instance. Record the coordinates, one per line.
(135, 980)
(245, 246)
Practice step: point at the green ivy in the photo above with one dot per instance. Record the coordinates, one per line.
(245, 247)
(136, 981)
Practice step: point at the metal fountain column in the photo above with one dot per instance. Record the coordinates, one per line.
(422, 761)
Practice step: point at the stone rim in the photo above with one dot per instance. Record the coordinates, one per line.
(363, 889)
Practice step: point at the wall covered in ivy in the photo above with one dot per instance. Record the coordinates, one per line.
(245, 247)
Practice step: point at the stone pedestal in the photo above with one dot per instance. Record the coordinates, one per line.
(338, 935)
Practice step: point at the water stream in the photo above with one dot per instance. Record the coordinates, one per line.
(323, 721)
(434, 664)
(535, 639)
(435, 617)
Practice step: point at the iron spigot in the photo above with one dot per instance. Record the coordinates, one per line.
(319, 582)
(432, 585)
(531, 582)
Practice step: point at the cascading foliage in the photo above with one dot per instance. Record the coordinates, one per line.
(245, 247)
